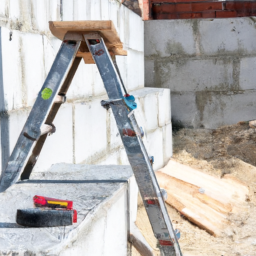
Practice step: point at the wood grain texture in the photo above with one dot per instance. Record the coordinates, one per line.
(208, 210)
(105, 28)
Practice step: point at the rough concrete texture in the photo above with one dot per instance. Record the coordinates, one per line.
(103, 220)
(209, 67)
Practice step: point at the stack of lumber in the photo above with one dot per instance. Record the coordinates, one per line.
(203, 199)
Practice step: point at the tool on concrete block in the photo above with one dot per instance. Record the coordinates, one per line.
(44, 217)
(52, 213)
(95, 42)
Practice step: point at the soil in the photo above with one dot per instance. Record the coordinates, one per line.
(229, 149)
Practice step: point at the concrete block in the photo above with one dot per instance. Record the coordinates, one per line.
(40, 13)
(33, 70)
(104, 10)
(4, 7)
(80, 9)
(82, 85)
(155, 140)
(122, 65)
(227, 36)
(58, 147)
(49, 54)
(110, 159)
(113, 12)
(184, 110)
(178, 38)
(212, 109)
(17, 120)
(67, 10)
(98, 86)
(164, 107)
(116, 214)
(14, 10)
(167, 142)
(11, 72)
(149, 75)
(135, 70)
(95, 10)
(90, 135)
(123, 159)
(135, 36)
(133, 199)
(214, 74)
(247, 76)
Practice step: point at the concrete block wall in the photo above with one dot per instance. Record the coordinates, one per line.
(86, 132)
(209, 65)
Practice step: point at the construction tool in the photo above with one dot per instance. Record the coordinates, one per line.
(51, 212)
(86, 39)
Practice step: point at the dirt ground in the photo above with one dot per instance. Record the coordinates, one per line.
(230, 149)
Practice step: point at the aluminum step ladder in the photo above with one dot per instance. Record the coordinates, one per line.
(52, 95)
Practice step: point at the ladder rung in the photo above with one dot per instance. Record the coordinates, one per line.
(60, 99)
(47, 128)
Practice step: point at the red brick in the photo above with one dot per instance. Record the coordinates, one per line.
(191, 15)
(207, 15)
(200, 7)
(226, 14)
(183, 7)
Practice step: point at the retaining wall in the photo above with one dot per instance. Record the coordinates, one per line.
(209, 65)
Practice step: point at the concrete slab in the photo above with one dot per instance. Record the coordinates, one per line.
(102, 212)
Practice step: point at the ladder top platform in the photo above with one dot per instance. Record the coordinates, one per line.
(105, 28)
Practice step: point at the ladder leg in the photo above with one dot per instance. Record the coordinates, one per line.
(32, 130)
(136, 152)
(40, 143)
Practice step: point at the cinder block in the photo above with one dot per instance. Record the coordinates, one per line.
(95, 9)
(11, 73)
(122, 66)
(155, 140)
(98, 86)
(40, 15)
(33, 70)
(17, 120)
(178, 38)
(113, 12)
(4, 7)
(149, 68)
(164, 107)
(80, 9)
(227, 35)
(104, 10)
(90, 136)
(214, 74)
(185, 112)
(167, 142)
(110, 159)
(82, 85)
(123, 159)
(58, 147)
(135, 37)
(49, 54)
(247, 76)
(133, 199)
(68, 10)
(14, 10)
(135, 70)
(116, 214)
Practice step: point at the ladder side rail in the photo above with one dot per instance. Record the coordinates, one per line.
(49, 120)
(138, 157)
(31, 131)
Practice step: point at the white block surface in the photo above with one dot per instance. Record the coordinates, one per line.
(90, 136)
(155, 140)
(164, 107)
(58, 147)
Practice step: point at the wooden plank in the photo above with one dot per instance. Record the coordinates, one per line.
(106, 29)
(203, 199)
